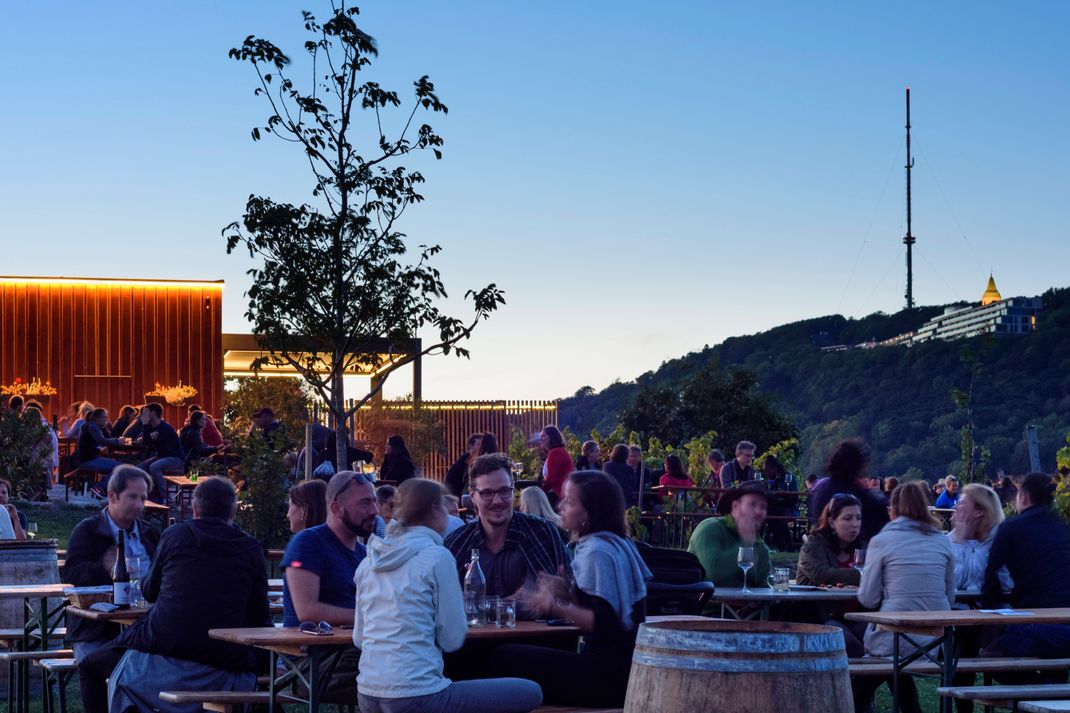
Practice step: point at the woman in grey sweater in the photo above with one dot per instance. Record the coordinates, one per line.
(909, 567)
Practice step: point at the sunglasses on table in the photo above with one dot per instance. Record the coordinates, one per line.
(316, 629)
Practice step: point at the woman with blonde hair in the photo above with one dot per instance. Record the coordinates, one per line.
(973, 527)
(534, 502)
(410, 609)
(909, 567)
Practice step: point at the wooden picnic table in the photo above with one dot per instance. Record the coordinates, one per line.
(288, 643)
(942, 625)
(729, 597)
(1043, 706)
(38, 625)
(122, 617)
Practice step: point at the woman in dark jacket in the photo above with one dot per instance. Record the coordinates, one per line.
(193, 441)
(846, 471)
(397, 463)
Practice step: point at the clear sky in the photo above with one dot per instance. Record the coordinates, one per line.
(642, 179)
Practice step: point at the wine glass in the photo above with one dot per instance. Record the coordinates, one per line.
(859, 561)
(518, 469)
(746, 561)
(31, 530)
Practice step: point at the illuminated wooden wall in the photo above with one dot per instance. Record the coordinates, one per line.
(110, 341)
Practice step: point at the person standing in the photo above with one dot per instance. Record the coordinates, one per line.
(846, 471)
(739, 469)
(617, 468)
(457, 476)
(410, 609)
(397, 463)
(558, 463)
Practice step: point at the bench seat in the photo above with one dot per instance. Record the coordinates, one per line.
(1005, 696)
(227, 701)
(9, 656)
(871, 667)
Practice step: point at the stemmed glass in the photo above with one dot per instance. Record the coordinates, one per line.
(518, 469)
(860, 561)
(746, 561)
(31, 530)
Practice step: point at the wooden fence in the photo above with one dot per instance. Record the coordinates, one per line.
(458, 420)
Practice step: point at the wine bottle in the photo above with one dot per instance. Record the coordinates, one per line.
(120, 576)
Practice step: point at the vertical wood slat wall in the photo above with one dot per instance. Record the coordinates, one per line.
(460, 419)
(149, 332)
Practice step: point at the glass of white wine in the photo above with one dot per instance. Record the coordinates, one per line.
(746, 561)
(31, 530)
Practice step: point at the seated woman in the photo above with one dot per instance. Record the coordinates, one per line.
(973, 528)
(192, 439)
(307, 505)
(18, 519)
(909, 567)
(608, 602)
(409, 610)
(828, 557)
(675, 475)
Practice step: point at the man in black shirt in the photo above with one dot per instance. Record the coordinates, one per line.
(739, 469)
(1035, 549)
(164, 449)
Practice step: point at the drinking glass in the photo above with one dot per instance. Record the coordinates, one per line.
(780, 579)
(31, 530)
(490, 610)
(518, 469)
(133, 568)
(506, 618)
(746, 561)
(860, 560)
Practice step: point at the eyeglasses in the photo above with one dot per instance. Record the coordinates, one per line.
(313, 629)
(851, 499)
(353, 478)
(501, 493)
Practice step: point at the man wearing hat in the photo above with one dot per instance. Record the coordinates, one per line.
(270, 428)
(716, 540)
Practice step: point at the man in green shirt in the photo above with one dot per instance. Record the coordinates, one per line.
(716, 540)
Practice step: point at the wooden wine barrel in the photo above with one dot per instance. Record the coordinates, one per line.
(738, 667)
(24, 562)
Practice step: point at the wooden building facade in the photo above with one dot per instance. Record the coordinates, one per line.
(110, 341)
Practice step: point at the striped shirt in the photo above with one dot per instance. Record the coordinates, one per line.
(536, 539)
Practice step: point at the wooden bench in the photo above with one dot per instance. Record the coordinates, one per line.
(227, 701)
(1044, 706)
(987, 666)
(58, 670)
(83, 476)
(1006, 696)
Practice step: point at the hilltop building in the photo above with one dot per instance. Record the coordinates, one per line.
(995, 315)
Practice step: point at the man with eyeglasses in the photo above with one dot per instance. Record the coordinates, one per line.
(319, 565)
(513, 547)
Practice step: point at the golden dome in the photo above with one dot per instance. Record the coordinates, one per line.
(991, 293)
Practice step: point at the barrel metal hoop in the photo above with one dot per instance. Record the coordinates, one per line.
(751, 665)
(739, 641)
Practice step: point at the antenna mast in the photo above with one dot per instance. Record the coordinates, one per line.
(909, 238)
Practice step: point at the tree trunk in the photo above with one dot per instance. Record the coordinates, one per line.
(338, 408)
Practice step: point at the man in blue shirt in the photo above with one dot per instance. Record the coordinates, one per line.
(319, 565)
(950, 497)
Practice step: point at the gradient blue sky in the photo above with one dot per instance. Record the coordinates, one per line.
(642, 178)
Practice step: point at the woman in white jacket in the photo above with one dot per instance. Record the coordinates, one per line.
(409, 610)
(909, 567)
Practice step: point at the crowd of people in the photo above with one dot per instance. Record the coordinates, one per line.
(390, 561)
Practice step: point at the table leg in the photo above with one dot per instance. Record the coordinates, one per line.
(946, 703)
(273, 673)
(895, 672)
(313, 679)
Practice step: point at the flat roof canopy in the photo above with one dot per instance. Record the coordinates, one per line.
(240, 350)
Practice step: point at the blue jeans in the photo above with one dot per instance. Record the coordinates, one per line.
(1047, 641)
(155, 467)
(489, 695)
(100, 465)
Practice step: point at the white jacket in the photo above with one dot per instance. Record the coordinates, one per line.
(971, 560)
(409, 610)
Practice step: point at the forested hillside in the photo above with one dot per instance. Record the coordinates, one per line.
(910, 403)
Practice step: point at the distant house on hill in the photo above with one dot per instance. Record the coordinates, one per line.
(995, 315)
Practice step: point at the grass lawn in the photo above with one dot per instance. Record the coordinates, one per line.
(56, 519)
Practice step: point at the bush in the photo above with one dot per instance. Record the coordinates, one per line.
(24, 447)
(286, 397)
(262, 501)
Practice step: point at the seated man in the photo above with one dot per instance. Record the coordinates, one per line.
(950, 497)
(163, 445)
(91, 551)
(513, 547)
(716, 540)
(319, 565)
(91, 440)
(1035, 549)
(207, 574)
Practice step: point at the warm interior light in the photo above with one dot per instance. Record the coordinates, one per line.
(113, 282)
